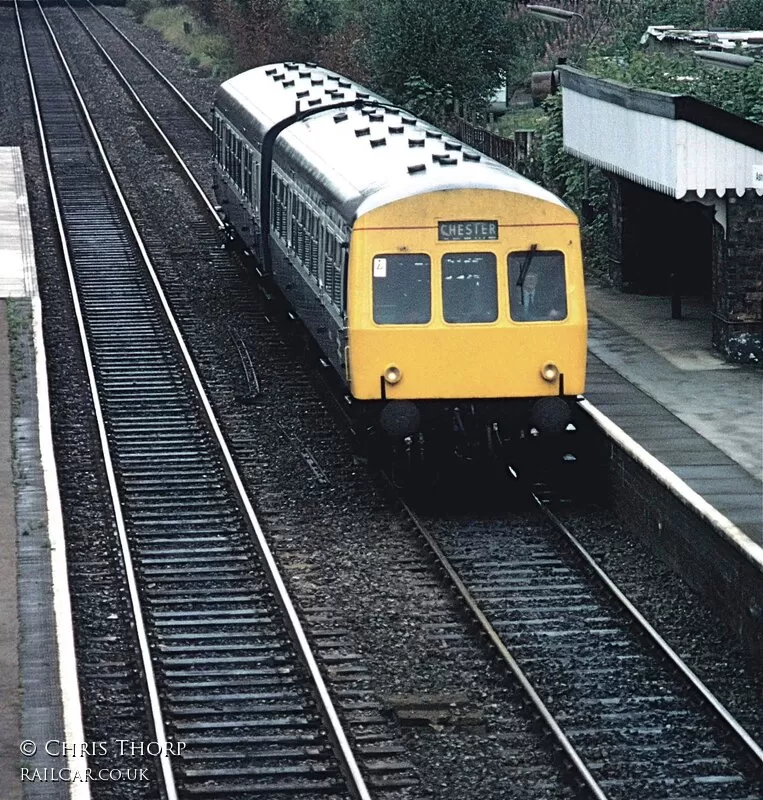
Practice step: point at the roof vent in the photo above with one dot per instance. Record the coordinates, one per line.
(434, 135)
(362, 95)
(304, 73)
(395, 128)
(271, 71)
(415, 143)
(332, 77)
(316, 81)
(472, 156)
(362, 131)
(337, 95)
(345, 84)
(378, 142)
(447, 161)
(412, 170)
(378, 117)
(303, 93)
(316, 102)
(340, 117)
(453, 146)
(278, 77)
(291, 66)
(408, 120)
(286, 84)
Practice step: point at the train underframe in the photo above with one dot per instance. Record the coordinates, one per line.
(416, 441)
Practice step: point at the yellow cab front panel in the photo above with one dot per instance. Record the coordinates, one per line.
(502, 358)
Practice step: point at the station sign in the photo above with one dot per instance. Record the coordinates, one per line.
(757, 176)
(467, 230)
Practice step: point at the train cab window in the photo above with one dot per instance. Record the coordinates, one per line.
(469, 287)
(537, 289)
(402, 289)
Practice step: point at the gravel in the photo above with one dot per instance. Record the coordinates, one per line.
(352, 562)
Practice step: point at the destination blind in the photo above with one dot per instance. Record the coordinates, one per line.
(468, 230)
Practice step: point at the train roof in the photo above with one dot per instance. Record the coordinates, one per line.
(360, 158)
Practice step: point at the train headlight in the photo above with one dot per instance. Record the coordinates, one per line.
(393, 374)
(549, 372)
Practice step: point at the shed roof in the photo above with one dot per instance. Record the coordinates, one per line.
(674, 144)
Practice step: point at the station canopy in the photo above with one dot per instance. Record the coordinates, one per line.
(674, 144)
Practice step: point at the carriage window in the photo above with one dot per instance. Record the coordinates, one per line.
(469, 287)
(537, 289)
(218, 139)
(402, 289)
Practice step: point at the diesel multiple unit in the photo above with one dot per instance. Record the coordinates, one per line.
(445, 289)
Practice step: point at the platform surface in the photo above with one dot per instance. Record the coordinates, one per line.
(17, 267)
(31, 694)
(661, 382)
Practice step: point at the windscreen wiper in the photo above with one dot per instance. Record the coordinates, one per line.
(526, 265)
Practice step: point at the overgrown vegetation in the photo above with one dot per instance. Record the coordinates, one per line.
(737, 91)
(525, 120)
(185, 30)
(434, 55)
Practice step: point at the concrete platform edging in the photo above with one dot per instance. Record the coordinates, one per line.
(699, 543)
(67, 660)
(678, 487)
(47, 689)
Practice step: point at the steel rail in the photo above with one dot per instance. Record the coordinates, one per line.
(207, 202)
(156, 69)
(718, 707)
(155, 711)
(505, 654)
(353, 775)
(685, 670)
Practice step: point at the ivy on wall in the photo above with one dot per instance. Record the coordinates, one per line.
(586, 188)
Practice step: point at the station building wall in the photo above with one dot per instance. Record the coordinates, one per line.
(654, 235)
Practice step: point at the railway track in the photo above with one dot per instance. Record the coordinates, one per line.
(631, 716)
(228, 669)
(596, 753)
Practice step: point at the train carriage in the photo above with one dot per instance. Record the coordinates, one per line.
(445, 289)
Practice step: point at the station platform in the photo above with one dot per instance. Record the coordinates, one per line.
(659, 380)
(39, 695)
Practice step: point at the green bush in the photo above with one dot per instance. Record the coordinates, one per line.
(181, 28)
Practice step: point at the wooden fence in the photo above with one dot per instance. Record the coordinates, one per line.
(516, 153)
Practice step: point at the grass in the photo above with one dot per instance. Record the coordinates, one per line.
(527, 119)
(178, 26)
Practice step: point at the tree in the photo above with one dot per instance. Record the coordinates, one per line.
(428, 52)
(742, 14)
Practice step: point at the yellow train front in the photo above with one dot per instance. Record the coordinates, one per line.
(471, 322)
(445, 289)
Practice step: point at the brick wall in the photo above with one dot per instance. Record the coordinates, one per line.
(719, 572)
(738, 289)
